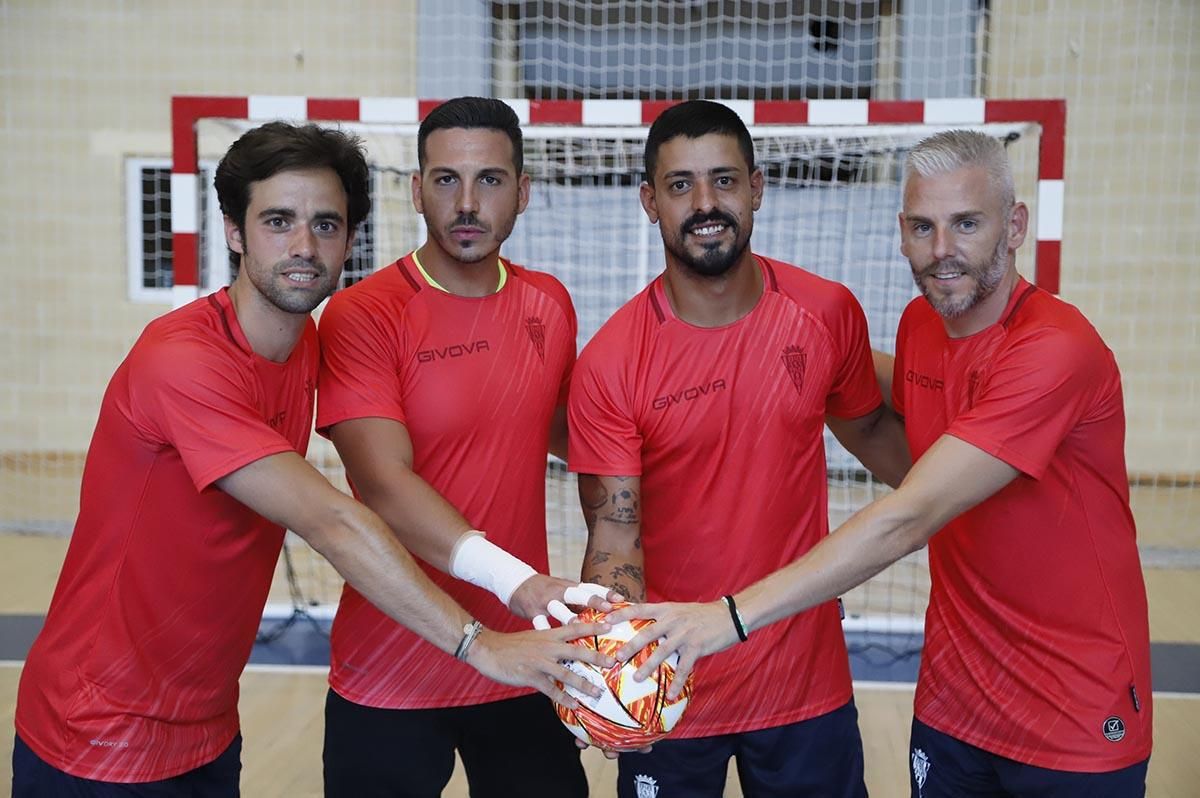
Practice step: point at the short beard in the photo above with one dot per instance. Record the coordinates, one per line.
(713, 262)
(301, 301)
(986, 282)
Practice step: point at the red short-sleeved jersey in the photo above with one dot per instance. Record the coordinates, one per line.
(475, 380)
(724, 427)
(135, 675)
(1036, 638)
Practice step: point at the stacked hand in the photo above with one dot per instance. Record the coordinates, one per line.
(692, 630)
(535, 659)
(540, 596)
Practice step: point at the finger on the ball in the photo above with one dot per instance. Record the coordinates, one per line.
(583, 592)
(560, 611)
(562, 698)
(679, 681)
(628, 613)
(636, 643)
(592, 657)
(569, 677)
(576, 630)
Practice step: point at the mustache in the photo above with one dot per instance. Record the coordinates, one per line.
(468, 220)
(698, 219)
(300, 263)
(949, 264)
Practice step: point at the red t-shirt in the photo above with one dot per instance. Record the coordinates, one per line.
(1036, 638)
(475, 380)
(135, 675)
(724, 427)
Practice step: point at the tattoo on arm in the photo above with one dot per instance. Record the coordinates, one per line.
(612, 510)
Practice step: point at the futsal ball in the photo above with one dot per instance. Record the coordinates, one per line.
(629, 714)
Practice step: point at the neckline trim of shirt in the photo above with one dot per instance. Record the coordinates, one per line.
(435, 284)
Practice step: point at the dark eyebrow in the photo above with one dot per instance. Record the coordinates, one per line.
(717, 170)
(487, 170)
(290, 213)
(285, 212)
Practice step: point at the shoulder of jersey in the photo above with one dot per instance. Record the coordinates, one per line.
(389, 284)
(803, 285)
(539, 280)
(1051, 315)
(637, 317)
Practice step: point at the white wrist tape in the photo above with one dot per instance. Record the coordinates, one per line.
(477, 560)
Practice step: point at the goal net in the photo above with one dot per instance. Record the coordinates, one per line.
(832, 194)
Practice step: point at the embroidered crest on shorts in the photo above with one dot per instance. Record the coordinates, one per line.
(646, 786)
(920, 768)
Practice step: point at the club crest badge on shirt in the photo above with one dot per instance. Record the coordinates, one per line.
(537, 334)
(796, 360)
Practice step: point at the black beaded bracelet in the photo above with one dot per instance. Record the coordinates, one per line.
(739, 625)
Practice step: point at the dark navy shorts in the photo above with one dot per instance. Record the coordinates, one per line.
(821, 756)
(35, 778)
(515, 747)
(941, 766)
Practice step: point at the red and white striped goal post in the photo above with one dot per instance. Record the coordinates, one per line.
(1050, 115)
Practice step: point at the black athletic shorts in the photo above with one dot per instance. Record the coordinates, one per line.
(509, 748)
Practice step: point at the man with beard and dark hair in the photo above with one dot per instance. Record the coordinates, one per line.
(195, 469)
(1035, 674)
(696, 421)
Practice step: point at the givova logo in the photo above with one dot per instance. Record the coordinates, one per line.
(645, 786)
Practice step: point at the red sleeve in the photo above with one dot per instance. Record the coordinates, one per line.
(855, 391)
(898, 367)
(195, 399)
(360, 364)
(560, 295)
(604, 438)
(1037, 390)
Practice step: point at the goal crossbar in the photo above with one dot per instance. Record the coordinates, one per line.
(598, 115)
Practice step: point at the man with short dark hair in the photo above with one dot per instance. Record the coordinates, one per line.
(697, 416)
(195, 469)
(443, 386)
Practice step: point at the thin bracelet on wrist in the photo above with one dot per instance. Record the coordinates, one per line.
(739, 623)
(470, 632)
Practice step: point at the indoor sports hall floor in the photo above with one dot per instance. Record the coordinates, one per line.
(283, 688)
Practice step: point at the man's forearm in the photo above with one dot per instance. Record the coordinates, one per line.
(611, 509)
(364, 551)
(869, 541)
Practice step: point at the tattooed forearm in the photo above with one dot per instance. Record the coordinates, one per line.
(627, 580)
(613, 499)
(612, 509)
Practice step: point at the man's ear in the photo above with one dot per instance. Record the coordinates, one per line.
(233, 236)
(416, 193)
(646, 192)
(1018, 225)
(756, 189)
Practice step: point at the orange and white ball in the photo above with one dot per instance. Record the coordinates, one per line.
(629, 714)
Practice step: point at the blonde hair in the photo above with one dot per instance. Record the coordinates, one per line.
(958, 149)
